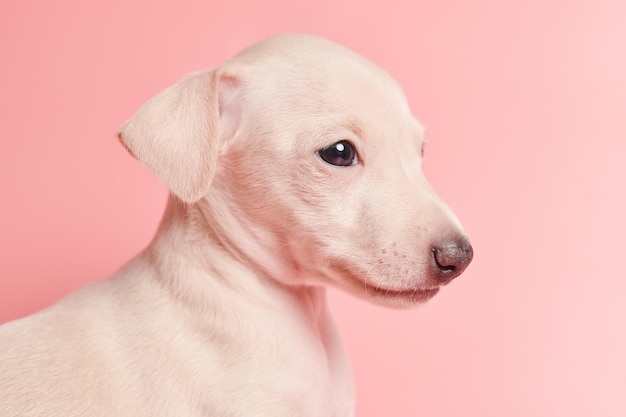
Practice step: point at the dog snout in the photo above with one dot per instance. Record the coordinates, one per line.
(450, 259)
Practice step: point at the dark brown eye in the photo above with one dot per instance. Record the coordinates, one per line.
(340, 154)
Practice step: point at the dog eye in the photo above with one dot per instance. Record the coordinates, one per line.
(340, 154)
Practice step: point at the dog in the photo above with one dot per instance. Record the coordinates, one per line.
(294, 166)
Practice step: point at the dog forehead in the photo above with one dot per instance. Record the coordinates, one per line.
(306, 84)
(311, 63)
(294, 49)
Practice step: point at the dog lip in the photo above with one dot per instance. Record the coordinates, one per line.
(406, 296)
(418, 295)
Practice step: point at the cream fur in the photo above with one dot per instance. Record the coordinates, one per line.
(224, 314)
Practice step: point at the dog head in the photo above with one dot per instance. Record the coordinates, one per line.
(307, 163)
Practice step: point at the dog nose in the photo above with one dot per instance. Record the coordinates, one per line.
(451, 259)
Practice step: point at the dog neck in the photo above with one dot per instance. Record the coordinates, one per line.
(194, 265)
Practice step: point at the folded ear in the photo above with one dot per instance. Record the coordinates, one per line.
(175, 135)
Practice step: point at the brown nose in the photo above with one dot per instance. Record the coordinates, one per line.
(451, 259)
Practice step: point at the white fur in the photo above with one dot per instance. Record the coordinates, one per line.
(224, 313)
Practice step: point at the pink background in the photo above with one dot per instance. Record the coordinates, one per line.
(525, 108)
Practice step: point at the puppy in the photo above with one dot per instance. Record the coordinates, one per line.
(293, 166)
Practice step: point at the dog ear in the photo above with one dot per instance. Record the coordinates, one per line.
(176, 134)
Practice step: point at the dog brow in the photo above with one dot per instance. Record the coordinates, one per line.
(355, 127)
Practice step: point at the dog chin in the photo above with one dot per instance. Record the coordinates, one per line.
(352, 281)
(399, 299)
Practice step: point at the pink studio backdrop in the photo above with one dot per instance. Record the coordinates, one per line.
(525, 108)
